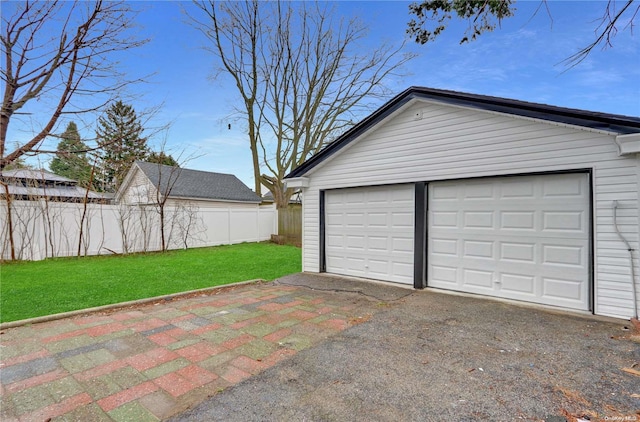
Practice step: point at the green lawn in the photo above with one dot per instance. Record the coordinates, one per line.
(31, 289)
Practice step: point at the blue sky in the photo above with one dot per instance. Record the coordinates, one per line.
(520, 60)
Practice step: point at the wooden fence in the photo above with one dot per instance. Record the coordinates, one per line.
(290, 225)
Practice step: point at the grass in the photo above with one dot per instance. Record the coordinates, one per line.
(31, 289)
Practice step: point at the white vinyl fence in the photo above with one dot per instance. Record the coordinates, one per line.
(43, 229)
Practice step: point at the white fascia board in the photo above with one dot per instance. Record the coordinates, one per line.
(235, 201)
(628, 144)
(297, 182)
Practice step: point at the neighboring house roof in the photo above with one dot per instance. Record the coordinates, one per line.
(617, 124)
(41, 183)
(40, 175)
(197, 184)
(295, 197)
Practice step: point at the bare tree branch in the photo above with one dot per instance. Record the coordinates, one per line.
(68, 69)
(606, 30)
(300, 75)
(431, 19)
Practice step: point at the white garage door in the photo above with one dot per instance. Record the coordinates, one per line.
(523, 238)
(369, 232)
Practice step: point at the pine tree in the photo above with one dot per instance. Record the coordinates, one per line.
(120, 137)
(162, 158)
(71, 158)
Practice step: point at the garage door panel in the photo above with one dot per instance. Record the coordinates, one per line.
(335, 241)
(375, 236)
(444, 275)
(403, 244)
(355, 242)
(354, 220)
(518, 220)
(377, 219)
(564, 221)
(519, 284)
(355, 263)
(519, 252)
(377, 243)
(445, 219)
(443, 194)
(562, 289)
(379, 267)
(524, 238)
(478, 191)
(402, 220)
(477, 278)
(564, 187)
(444, 247)
(477, 219)
(516, 189)
(478, 249)
(564, 255)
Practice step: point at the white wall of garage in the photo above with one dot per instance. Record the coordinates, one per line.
(429, 141)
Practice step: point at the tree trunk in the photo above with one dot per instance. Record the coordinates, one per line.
(162, 227)
(10, 222)
(85, 200)
(281, 195)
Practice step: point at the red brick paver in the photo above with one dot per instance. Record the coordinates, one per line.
(147, 360)
(174, 384)
(200, 351)
(197, 375)
(35, 381)
(25, 358)
(58, 409)
(100, 370)
(125, 396)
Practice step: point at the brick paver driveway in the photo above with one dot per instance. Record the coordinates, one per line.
(150, 362)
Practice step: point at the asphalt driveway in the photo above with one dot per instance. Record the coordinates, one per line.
(432, 357)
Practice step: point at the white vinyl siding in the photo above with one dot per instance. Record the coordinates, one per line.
(448, 143)
(140, 189)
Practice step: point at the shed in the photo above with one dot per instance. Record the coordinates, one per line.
(482, 195)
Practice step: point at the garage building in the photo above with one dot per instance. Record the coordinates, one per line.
(481, 195)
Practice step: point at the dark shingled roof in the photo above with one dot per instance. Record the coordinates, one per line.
(614, 123)
(185, 183)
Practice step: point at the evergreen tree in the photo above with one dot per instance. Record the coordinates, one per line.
(162, 158)
(18, 164)
(71, 158)
(120, 137)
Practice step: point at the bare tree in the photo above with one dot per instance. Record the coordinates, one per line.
(124, 214)
(64, 54)
(431, 18)
(166, 178)
(83, 226)
(299, 75)
(190, 225)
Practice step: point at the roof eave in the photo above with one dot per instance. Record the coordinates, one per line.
(369, 121)
(614, 124)
(194, 198)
